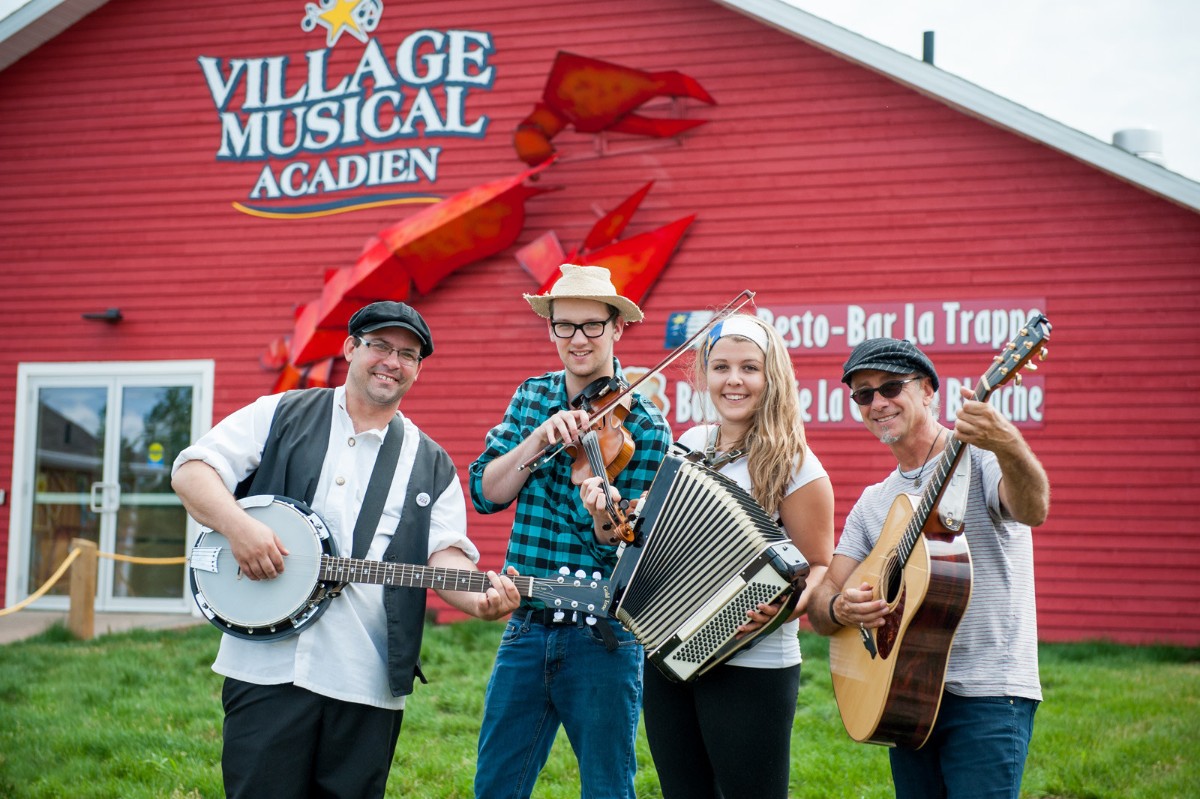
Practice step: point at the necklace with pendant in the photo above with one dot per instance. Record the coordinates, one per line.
(917, 480)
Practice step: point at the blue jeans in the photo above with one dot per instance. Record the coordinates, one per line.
(977, 750)
(547, 675)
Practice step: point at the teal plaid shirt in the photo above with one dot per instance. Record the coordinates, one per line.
(551, 527)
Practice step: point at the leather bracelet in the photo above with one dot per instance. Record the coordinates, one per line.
(832, 616)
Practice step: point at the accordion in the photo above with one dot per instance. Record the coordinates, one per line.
(704, 553)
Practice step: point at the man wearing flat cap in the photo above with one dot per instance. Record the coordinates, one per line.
(564, 668)
(319, 713)
(979, 742)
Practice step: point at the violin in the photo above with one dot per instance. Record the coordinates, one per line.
(615, 442)
(620, 397)
(604, 449)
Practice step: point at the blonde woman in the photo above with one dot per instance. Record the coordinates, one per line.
(728, 733)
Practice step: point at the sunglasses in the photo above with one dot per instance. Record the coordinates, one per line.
(890, 390)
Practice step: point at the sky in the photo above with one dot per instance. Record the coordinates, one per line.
(1098, 66)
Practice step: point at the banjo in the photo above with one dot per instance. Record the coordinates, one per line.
(268, 610)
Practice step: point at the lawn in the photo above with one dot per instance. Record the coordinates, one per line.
(138, 715)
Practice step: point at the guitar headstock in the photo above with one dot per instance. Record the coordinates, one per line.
(1029, 342)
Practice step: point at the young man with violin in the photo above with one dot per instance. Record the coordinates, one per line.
(567, 668)
(980, 739)
(319, 713)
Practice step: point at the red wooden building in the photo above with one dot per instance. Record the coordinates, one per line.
(162, 219)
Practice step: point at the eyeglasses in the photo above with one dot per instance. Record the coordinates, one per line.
(890, 390)
(383, 351)
(590, 329)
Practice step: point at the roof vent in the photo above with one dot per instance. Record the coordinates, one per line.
(1142, 142)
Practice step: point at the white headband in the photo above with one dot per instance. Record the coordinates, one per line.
(737, 325)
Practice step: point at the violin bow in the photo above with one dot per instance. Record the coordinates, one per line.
(729, 309)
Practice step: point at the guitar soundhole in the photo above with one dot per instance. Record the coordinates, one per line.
(890, 581)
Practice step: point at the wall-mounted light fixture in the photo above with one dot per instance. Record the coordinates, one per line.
(112, 316)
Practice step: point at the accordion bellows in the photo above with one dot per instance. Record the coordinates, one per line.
(705, 552)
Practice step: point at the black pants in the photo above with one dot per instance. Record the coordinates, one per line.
(727, 735)
(286, 742)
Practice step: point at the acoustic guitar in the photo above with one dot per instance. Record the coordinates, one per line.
(888, 680)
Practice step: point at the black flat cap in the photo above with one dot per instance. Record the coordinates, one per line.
(379, 315)
(898, 356)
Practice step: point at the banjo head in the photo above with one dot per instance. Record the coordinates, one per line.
(264, 610)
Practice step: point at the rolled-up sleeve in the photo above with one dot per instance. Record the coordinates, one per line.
(499, 440)
(448, 523)
(234, 446)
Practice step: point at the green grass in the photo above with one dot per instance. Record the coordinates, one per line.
(138, 715)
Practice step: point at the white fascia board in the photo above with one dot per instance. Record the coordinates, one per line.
(24, 27)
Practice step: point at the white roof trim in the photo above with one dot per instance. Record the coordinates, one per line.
(27, 25)
(971, 99)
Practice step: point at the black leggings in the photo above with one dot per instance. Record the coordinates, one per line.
(725, 736)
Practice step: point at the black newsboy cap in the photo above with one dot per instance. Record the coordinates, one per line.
(898, 356)
(379, 315)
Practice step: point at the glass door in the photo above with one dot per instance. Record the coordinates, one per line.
(98, 467)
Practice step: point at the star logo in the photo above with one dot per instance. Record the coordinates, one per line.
(355, 17)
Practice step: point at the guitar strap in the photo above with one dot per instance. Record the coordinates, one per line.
(378, 487)
(952, 506)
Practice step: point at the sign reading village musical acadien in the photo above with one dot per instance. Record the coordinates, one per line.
(327, 138)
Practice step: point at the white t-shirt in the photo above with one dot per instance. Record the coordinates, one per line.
(343, 654)
(780, 648)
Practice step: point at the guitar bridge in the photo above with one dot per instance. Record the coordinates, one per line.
(868, 641)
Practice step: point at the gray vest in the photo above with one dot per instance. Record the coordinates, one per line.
(291, 467)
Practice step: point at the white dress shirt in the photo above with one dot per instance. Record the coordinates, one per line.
(343, 654)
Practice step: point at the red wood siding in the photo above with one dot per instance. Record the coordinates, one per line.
(815, 182)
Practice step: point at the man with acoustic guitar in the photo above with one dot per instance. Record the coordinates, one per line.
(978, 745)
(318, 713)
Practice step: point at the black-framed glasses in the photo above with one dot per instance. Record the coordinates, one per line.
(890, 390)
(383, 351)
(590, 329)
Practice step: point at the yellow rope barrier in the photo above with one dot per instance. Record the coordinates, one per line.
(145, 561)
(46, 586)
(66, 564)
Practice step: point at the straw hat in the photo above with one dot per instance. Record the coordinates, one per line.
(584, 283)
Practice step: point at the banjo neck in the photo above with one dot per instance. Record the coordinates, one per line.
(409, 575)
(566, 592)
(268, 610)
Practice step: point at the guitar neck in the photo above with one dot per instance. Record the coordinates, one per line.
(937, 485)
(1029, 341)
(409, 575)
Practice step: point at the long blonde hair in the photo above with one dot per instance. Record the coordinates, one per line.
(774, 443)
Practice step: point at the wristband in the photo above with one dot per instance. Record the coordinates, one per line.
(832, 616)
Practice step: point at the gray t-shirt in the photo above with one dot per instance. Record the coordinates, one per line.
(995, 649)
